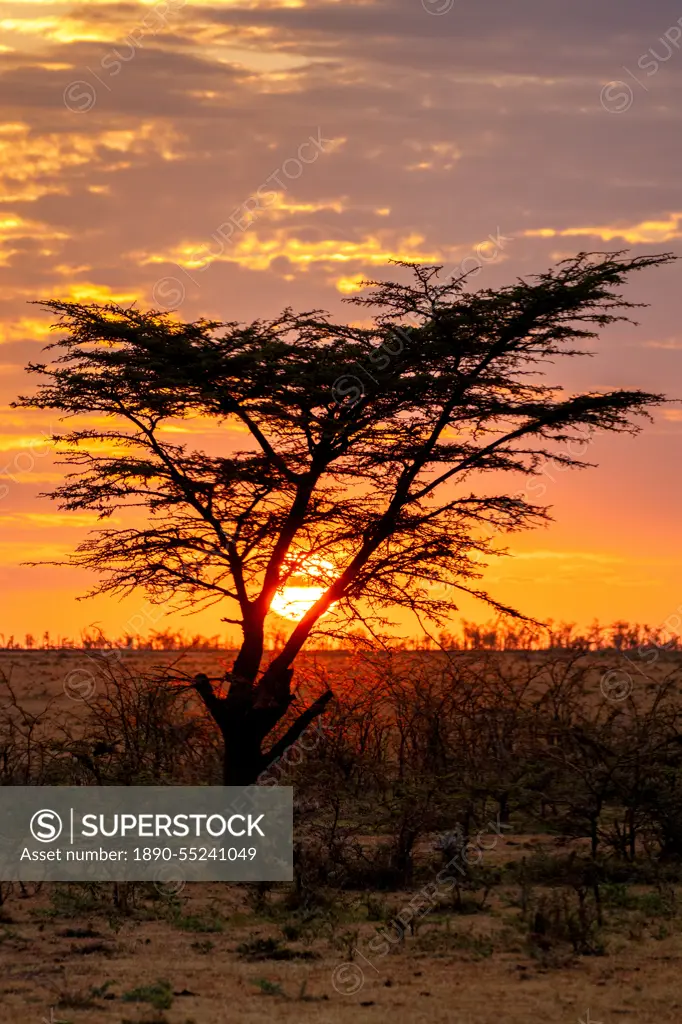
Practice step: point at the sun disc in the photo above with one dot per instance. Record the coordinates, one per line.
(293, 602)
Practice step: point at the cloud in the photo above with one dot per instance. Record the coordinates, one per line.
(33, 165)
(120, 158)
(257, 252)
(45, 520)
(23, 327)
(568, 556)
(644, 233)
(668, 344)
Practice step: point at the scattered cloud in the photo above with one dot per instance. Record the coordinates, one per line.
(644, 233)
(127, 140)
(256, 251)
(568, 556)
(669, 344)
(44, 520)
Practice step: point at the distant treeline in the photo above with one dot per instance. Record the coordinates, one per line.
(490, 636)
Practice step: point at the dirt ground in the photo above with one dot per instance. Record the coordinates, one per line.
(68, 676)
(65, 962)
(55, 968)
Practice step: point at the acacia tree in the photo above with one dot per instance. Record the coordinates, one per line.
(367, 457)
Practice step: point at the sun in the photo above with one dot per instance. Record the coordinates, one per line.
(294, 602)
(295, 599)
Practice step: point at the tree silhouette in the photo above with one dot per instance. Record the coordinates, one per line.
(359, 449)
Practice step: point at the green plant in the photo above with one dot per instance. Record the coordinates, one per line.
(268, 988)
(618, 896)
(159, 995)
(83, 999)
(566, 915)
(101, 991)
(662, 902)
(377, 909)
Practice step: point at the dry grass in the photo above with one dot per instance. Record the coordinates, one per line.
(60, 961)
(83, 968)
(40, 676)
(43, 675)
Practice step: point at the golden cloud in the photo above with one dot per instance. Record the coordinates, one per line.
(280, 205)
(26, 328)
(86, 292)
(22, 329)
(202, 427)
(642, 233)
(14, 552)
(348, 285)
(48, 520)
(440, 156)
(30, 442)
(14, 228)
(31, 164)
(36, 23)
(59, 27)
(255, 252)
(567, 556)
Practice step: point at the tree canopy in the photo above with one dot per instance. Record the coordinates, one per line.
(370, 457)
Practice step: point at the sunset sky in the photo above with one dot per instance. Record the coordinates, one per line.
(134, 138)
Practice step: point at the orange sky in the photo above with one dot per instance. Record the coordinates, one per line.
(133, 139)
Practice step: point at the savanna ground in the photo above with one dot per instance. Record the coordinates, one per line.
(557, 773)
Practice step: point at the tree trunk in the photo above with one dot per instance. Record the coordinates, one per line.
(245, 718)
(242, 757)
